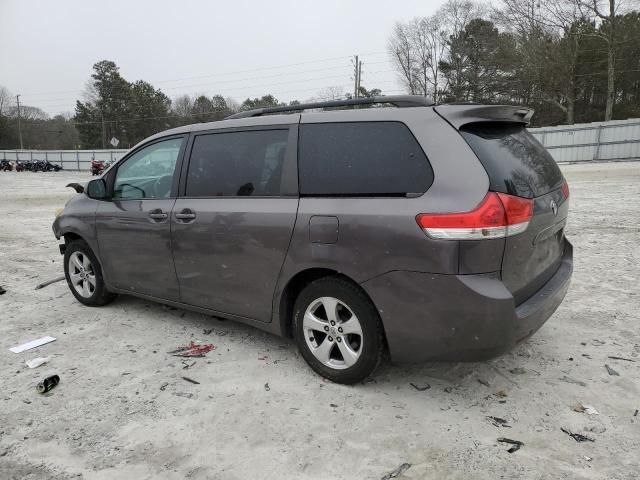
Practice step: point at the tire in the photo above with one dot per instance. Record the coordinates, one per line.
(84, 275)
(352, 354)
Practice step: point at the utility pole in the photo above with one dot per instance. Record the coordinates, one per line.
(103, 131)
(359, 75)
(356, 76)
(19, 122)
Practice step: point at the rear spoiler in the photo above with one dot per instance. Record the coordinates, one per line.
(459, 115)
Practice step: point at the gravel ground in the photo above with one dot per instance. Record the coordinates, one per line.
(260, 413)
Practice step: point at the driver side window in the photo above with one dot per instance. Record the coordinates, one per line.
(149, 172)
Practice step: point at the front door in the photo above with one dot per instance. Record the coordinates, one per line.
(231, 229)
(134, 228)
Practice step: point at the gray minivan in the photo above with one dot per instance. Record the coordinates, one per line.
(425, 231)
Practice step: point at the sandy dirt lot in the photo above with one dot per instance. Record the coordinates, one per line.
(260, 413)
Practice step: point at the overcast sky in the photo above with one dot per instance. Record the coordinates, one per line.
(47, 48)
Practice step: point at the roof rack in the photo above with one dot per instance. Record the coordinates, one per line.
(400, 101)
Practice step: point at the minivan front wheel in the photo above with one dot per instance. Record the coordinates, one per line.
(338, 330)
(84, 275)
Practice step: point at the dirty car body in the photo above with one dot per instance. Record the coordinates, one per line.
(448, 220)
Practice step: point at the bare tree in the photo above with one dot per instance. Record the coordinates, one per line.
(6, 100)
(402, 55)
(429, 41)
(182, 106)
(331, 93)
(456, 14)
(232, 104)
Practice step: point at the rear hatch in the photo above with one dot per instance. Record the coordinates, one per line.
(517, 164)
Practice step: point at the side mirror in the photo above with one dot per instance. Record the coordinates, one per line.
(97, 189)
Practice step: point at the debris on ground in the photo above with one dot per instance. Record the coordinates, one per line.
(501, 394)
(518, 371)
(183, 394)
(588, 459)
(32, 344)
(186, 365)
(448, 389)
(397, 472)
(621, 358)
(36, 362)
(426, 386)
(635, 414)
(49, 282)
(588, 409)
(2, 291)
(191, 380)
(497, 421)
(597, 343)
(207, 331)
(516, 444)
(611, 371)
(578, 437)
(163, 386)
(192, 350)
(573, 380)
(484, 382)
(267, 387)
(48, 384)
(333, 405)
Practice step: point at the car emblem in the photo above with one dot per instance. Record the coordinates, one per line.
(554, 207)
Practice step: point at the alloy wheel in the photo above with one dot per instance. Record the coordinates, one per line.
(333, 332)
(82, 274)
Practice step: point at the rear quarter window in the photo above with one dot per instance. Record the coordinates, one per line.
(515, 161)
(361, 159)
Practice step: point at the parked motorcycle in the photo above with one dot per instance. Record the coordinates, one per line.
(50, 167)
(6, 166)
(97, 167)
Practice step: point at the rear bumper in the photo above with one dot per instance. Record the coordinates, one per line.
(460, 317)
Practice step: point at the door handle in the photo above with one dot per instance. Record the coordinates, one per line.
(186, 215)
(158, 215)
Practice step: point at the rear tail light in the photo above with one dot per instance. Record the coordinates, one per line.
(565, 189)
(499, 215)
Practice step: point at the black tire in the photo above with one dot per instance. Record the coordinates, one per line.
(100, 296)
(372, 339)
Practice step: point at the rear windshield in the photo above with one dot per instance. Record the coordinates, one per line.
(515, 161)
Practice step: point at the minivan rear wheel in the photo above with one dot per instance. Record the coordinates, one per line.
(338, 330)
(84, 275)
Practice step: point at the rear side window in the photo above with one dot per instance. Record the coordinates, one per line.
(237, 164)
(515, 161)
(361, 159)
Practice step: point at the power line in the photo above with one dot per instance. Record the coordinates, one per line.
(124, 89)
(250, 87)
(342, 57)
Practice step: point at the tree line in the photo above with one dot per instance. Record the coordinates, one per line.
(571, 60)
(114, 107)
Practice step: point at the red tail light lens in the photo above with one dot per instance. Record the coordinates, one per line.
(498, 215)
(565, 189)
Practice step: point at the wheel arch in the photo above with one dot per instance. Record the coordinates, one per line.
(296, 284)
